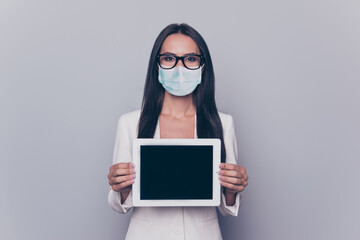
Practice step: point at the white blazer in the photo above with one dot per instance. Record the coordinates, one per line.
(190, 223)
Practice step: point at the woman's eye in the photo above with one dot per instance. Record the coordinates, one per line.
(190, 59)
(169, 58)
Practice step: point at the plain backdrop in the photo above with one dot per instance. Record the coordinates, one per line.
(288, 72)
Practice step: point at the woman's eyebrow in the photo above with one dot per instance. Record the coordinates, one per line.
(170, 53)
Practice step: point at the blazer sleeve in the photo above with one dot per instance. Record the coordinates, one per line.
(231, 157)
(122, 153)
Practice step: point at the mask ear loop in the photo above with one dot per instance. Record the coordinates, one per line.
(202, 68)
(202, 62)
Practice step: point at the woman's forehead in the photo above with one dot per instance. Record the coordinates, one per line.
(179, 44)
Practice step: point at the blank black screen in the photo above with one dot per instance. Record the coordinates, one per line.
(176, 172)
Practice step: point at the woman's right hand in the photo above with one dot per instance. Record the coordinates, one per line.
(121, 177)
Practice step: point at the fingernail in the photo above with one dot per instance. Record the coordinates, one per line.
(221, 172)
(132, 170)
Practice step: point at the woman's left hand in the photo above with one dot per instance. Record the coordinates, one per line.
(232, 177)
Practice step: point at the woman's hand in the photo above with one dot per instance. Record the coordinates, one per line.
(232, 177)
(121, 177)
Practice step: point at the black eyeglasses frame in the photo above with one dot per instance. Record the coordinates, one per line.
(182, 60)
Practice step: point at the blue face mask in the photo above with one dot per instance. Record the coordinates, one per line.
(179, 81)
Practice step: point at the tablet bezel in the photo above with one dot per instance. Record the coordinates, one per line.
(214, 142)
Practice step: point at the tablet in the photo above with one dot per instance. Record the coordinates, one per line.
(176, 172)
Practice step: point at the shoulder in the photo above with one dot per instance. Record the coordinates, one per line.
(129, 120)
(226, 120)
(228, 126)
(130, 116)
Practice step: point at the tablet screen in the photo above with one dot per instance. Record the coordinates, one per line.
(171, 172)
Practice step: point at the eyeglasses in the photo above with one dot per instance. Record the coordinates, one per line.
(190, 61)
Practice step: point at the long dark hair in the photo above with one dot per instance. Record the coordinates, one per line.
(208, 120)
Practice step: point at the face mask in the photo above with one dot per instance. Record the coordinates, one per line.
(179, 81)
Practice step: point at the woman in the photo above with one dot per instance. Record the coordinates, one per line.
(178, 103)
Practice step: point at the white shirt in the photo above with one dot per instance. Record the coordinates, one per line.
(190, 223)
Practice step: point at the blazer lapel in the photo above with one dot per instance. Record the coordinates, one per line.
(157, 130)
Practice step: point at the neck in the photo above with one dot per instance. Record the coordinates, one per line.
(178, 107)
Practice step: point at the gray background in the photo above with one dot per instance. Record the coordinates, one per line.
(288, 72)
